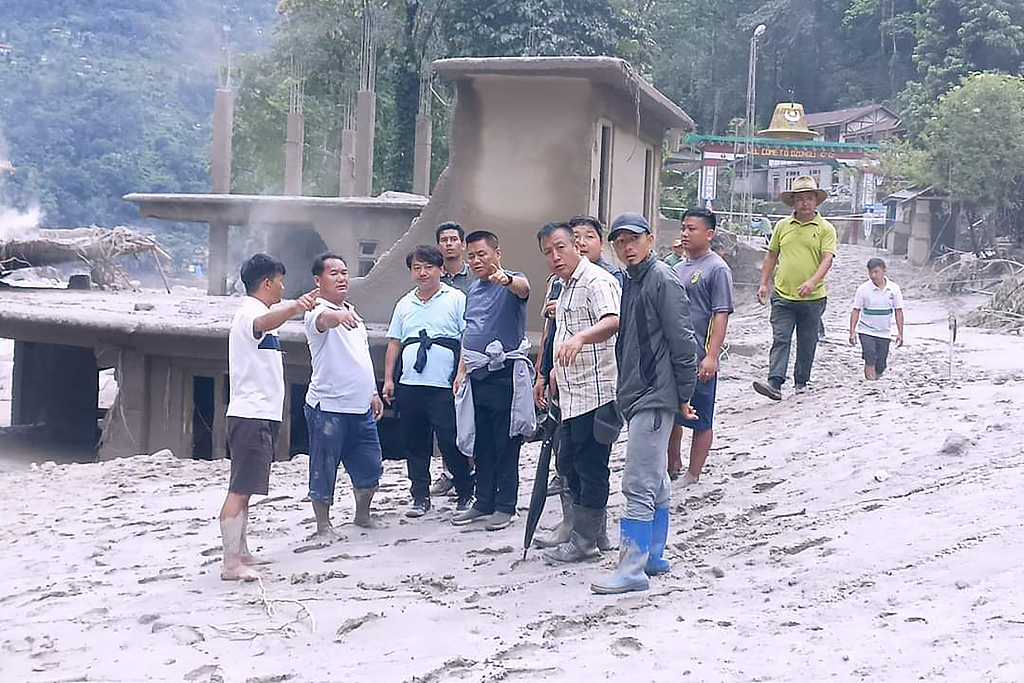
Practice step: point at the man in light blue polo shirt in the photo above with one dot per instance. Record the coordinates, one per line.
(422, 357)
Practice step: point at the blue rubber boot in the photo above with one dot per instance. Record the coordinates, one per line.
(656, 564)
(634, 547)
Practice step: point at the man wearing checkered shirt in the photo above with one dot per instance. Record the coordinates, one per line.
(585, 376)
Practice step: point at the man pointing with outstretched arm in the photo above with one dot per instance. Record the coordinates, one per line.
(493, 387)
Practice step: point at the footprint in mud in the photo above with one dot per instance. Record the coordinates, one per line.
(378, 587)
(266, 501)
(318, 544)
(800, 547)
(764, 486)
(711, 497)
(346, 556)
(306, 577)
(163, 576)
(428, 586)
(350, 625)
(625, 646)
(491, 551)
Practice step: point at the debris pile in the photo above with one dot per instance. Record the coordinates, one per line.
(99, 248)
(997, 276)
(1005, 308)
(744, 259)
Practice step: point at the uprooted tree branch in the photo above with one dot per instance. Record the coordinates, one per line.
(998, 277)
(98, 248)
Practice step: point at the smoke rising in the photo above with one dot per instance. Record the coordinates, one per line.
(13, 222)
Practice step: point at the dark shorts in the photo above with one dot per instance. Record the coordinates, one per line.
(251, 449)
(703, 402)
(875, 351)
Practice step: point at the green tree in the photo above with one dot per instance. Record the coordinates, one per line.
(958, 37)
(323, 38)
(699, 62)
(973, 151)
(316, 43)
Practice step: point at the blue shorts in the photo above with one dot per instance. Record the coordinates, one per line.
(703, 402)
(341, 438)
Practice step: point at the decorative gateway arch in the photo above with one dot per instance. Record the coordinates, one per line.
(787, 149)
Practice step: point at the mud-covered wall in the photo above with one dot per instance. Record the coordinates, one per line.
(521, 154)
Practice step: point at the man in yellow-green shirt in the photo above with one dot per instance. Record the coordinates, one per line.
(803, 246)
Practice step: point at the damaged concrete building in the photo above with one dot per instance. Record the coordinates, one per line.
(532, 139)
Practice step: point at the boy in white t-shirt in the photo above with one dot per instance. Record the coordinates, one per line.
(875, 305)
(257, 403)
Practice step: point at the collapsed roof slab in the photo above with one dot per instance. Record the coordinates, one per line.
(246, 209)
(158, 344)
(302, 227)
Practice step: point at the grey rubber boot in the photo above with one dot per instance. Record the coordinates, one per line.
(582, 543)
(564, 529)
(363, 498)
(603, 542)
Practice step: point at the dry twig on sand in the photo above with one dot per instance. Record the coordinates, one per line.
(238, 632)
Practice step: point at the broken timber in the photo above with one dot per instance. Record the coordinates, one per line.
(96, 247)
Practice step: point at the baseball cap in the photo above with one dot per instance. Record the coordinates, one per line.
(631, 221)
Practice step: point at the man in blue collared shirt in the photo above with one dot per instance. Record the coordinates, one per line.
(422, 358)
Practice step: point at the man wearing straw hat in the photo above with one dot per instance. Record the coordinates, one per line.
(802, 246)
(676, 255)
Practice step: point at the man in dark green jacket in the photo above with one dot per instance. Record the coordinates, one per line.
(657, 365)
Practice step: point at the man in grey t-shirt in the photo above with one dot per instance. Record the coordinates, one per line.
(708, 283)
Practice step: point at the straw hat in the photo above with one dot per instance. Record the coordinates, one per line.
(804, 183)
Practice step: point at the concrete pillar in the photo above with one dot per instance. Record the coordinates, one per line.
(421, 155)
(126, 426)
(366, 115)
(217, 259)
(347, 173)
(56, 386)
(223, 128)
(293, 155)
(920, 246)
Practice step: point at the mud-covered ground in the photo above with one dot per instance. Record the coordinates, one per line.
(853, 532)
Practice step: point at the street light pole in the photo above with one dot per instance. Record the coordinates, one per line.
(748, 162)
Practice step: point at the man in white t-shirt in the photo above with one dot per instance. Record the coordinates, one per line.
(256, 405)
(876, 303)
(342, 405)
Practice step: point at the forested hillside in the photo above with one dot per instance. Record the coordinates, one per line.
(104, 97)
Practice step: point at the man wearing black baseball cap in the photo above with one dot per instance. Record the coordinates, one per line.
(657, 373)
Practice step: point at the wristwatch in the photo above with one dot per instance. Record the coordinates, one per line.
(509, 275)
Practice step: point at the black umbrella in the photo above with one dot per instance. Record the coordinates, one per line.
(539, 495)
